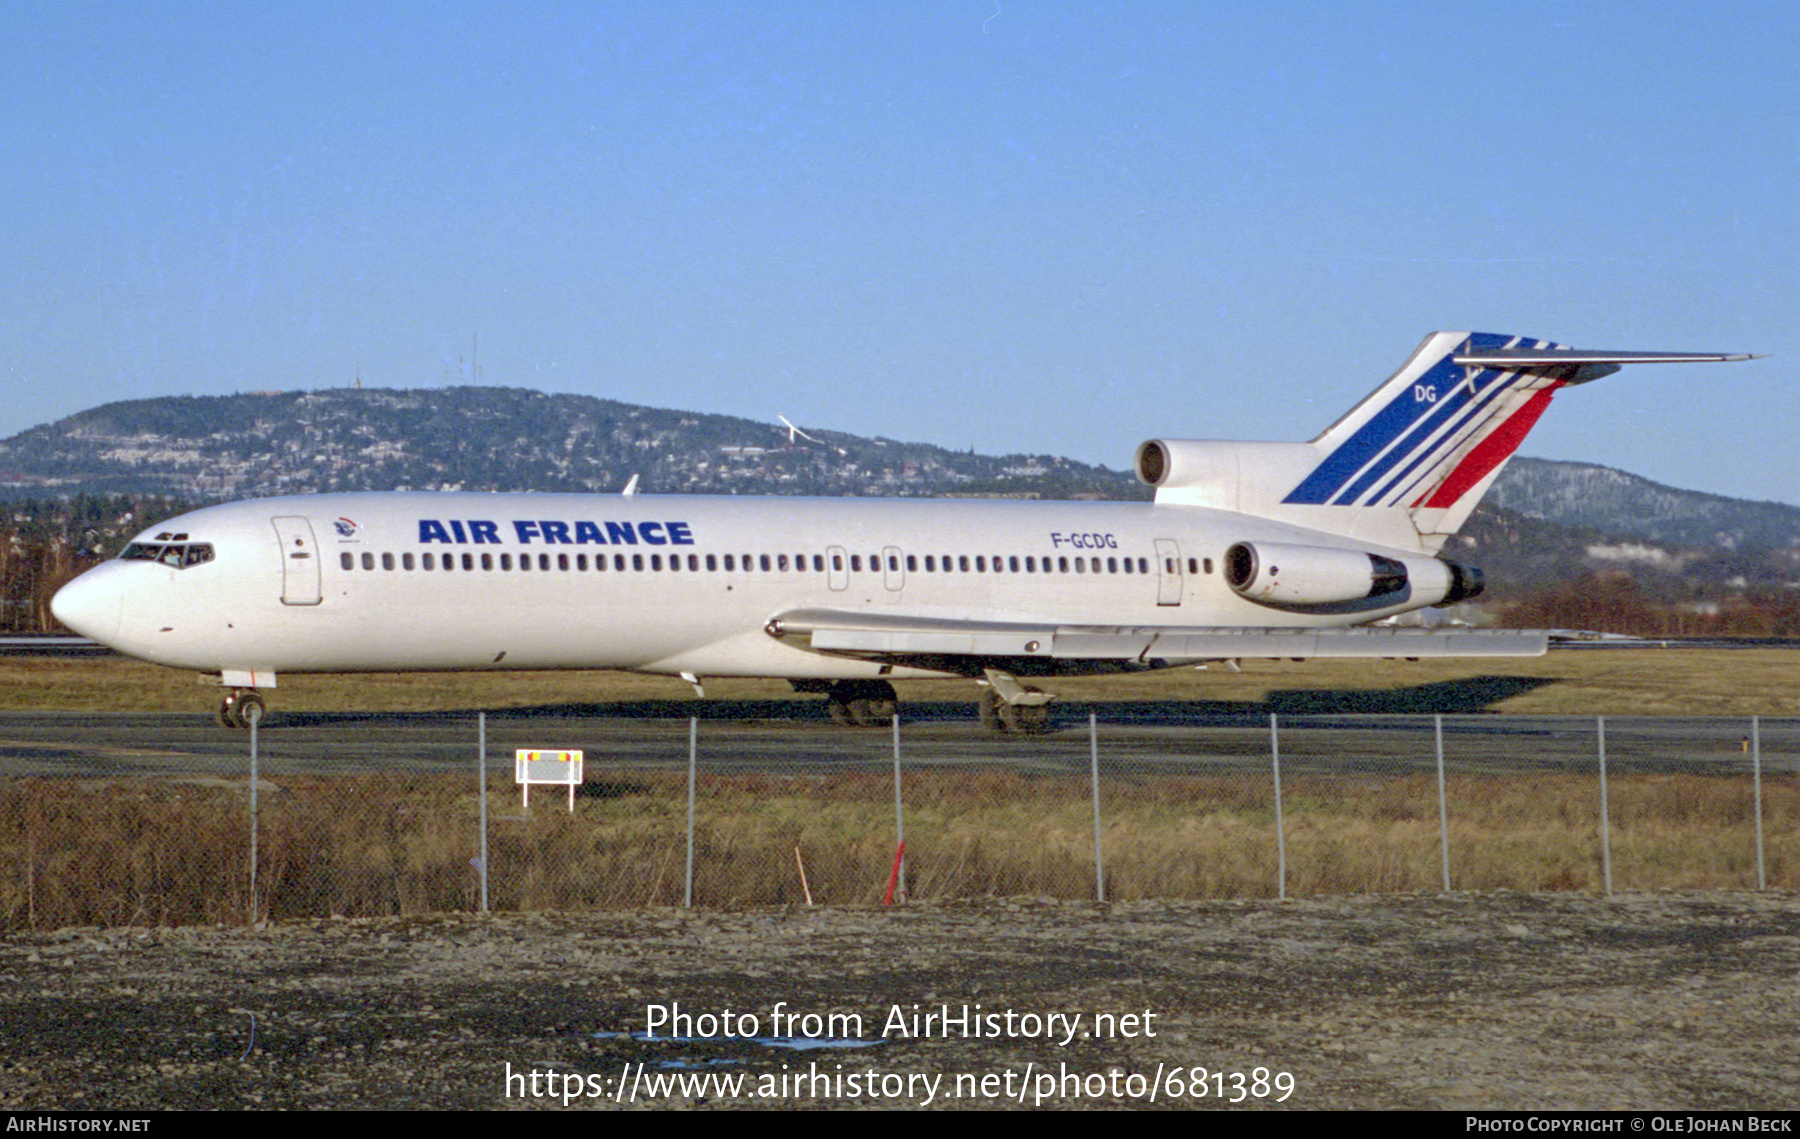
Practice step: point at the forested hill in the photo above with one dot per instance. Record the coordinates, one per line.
(493, 439)
(78, 488)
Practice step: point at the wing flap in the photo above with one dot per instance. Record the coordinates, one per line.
(892, 636)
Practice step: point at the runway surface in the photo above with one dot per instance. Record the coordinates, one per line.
(795, 737)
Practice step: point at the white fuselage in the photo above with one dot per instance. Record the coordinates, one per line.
(663, 584)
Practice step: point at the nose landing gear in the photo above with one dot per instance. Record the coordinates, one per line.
(240, 707)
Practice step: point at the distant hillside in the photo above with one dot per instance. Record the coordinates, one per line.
(1545, 522)
(1581, 494)
(493, 439)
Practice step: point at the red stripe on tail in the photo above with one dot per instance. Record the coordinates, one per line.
(1490, 452)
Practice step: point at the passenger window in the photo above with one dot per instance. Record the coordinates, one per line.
(427, 561)
(730, 562)
(506, 562)
(818, 563)
(765, 563)
(1207, 564)
(856, 563)
(781, 562)
(368, 561)
(406, 561)
(487, 561)
(962, 562)
(346, 560)
(712, 563)
(637, 562)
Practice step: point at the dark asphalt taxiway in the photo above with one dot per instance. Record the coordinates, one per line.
(795, 737)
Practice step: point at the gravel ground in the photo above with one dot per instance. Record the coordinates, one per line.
(1521, 1001)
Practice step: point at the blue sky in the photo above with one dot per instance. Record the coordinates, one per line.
(1011, 226)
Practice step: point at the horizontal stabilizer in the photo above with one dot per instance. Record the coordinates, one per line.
(1532, 358)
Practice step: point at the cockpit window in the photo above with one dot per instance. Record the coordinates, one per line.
(179, 555)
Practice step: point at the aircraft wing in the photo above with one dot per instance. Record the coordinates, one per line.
(901, 639)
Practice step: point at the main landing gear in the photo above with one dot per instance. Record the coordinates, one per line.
(239, 707)
(1005, 705)
(862, 703)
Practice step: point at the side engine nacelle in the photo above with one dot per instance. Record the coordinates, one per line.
(1320, 578)
(1223, 475)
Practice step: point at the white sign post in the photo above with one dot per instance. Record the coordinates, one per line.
(555, 767)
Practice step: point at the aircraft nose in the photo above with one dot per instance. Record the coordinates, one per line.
(91, 604)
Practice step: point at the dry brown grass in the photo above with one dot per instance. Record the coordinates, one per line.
(162, 853)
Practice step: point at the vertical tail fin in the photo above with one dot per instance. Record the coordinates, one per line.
(1408, 464)
(1433, 438)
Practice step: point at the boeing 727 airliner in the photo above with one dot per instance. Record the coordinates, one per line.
(1248, 550)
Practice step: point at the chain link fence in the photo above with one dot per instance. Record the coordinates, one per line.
(730, 812)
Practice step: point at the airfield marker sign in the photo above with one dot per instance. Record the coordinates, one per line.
(559, 768)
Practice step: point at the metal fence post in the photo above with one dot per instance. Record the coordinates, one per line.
(687, 895)
(1605, 831)
(1443, 812)
(253, 713)
(1280, 832)
(481, 757)
(1756, 782)
(1094, 777)
(899, 816)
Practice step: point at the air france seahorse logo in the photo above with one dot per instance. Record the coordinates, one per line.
(345, 528)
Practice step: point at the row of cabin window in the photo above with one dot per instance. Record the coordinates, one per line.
(777, 563)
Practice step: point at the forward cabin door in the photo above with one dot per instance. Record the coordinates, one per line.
(893, 571)
(1168, 572)
(299, 561)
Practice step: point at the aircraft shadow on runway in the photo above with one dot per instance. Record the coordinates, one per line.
(1466, 696)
